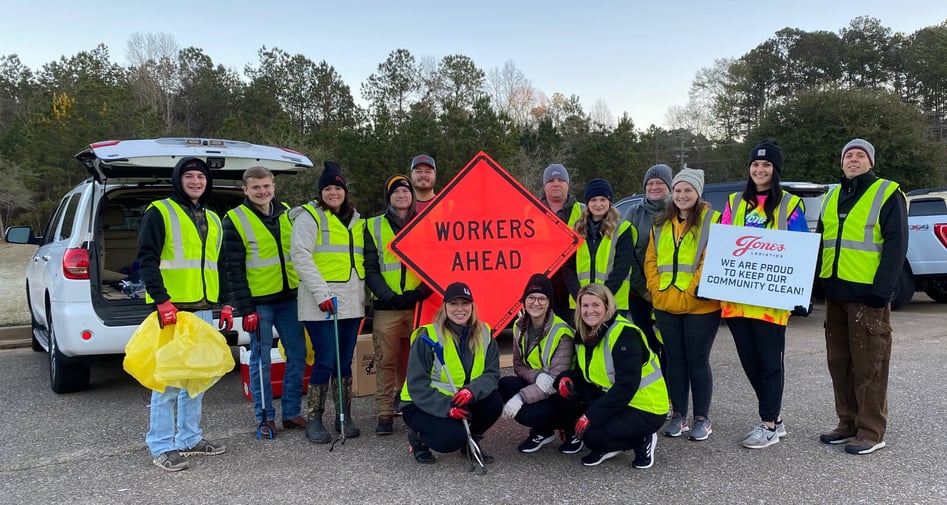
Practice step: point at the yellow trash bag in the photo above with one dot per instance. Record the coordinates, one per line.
(310, 354)
(196, 358)
(142, 349)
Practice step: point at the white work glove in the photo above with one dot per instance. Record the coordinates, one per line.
(512, 407)
(544, 381)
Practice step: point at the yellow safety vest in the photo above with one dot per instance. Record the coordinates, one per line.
(575, 214)
(604, 262)
(539, 356)
(338, 248)
(599, 369)
(854, 254)
(738, 209)
(188, 262)
(677, 262)
(439, 376)
(266, 259)
(381, 233)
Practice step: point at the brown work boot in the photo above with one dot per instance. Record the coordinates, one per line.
(315, 431)
(385, 425)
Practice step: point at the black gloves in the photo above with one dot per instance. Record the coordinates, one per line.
(799, 310)
(875, 301)
(405, 301)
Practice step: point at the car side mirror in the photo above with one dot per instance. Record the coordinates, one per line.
(21, 235)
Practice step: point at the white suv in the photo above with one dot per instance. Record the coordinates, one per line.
(82, 288)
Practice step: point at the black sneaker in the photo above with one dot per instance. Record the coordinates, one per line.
(836, 437)
(644, 455)
(422, 454)
(385, 426)
(594, 458)
(572, 445)
(535, 441)
(171, 461)
(863, 446)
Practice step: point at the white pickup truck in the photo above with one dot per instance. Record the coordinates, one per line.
(925, 268)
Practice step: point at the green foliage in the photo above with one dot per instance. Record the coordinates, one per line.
(813, 127)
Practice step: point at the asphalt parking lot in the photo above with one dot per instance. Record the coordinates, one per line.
(89, 447)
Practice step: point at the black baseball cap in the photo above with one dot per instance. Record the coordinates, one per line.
(457, 290)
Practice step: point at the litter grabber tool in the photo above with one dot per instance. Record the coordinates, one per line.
(264, 424)
(474, 455)
(338, 368)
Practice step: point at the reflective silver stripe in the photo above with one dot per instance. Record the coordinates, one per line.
(253, 242)
(548, 349)
(665, 269)
(177, 239)
(702, 242)
(783, 218)
(861, 246)
(646, 381)
(329, 248)
(173, 264)
(875, 211)
(652, 377)
(323, 223)
(377, 237)
(220, 230)
(584, 276)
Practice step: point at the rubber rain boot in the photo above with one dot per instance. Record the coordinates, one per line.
(351, 431)
(315, 431)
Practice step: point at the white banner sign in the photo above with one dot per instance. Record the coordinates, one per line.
(757, 266)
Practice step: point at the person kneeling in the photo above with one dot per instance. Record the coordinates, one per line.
(453, 369)
(619, 382)
(542, 349)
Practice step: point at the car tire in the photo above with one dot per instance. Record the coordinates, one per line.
(937, 290)
(65, 375)
(903, 290)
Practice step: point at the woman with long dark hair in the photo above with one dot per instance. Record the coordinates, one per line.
(760, 332)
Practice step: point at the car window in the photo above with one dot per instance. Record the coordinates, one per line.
(53, 223)
(68, 217)
(927, 207)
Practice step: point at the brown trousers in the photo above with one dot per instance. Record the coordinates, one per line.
(390, 332)
(858, 347)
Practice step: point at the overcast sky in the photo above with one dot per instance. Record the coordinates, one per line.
(637, 57)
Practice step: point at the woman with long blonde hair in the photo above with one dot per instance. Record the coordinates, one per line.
(453, 369)
(618, 382)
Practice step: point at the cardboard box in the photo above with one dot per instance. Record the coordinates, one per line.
(363, 366)
(277, 369)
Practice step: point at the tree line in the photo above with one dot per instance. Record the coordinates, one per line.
(812, 91)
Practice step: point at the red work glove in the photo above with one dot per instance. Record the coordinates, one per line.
(328, 306)
(251, 322)
(566, 388)
(581, 426)
(167, 314)
(458, 413)
(226, 318)
(462, 397)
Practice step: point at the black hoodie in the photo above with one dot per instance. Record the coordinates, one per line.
(151, 236)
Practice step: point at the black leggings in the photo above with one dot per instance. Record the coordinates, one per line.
(544, 416)
(761, 346)
(444, 434)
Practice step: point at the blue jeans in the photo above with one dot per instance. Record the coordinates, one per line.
(322, 335)
(161, 436)
(283, 316)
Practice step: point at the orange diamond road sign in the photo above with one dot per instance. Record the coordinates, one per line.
(486, 230)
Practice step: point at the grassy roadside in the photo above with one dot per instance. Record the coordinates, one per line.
(14, 259)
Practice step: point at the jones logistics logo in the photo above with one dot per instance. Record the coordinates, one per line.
(750, 242)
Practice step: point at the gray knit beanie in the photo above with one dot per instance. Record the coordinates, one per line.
(555, 171)
(662, 172)
(862, 144)
(692, 176)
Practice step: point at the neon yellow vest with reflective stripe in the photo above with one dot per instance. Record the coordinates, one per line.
(539, 356)
(677, 262)
(379, 229)
(338, 249)
(575, 214)
(266, 259)
(855, 253)
(781, 214)
(604, 262)
(652, 393)
(439, 376)
(188, 263)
